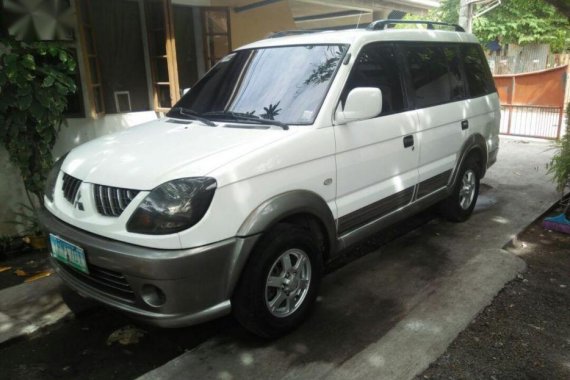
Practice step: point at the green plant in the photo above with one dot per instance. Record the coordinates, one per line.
(525, 22)
(559, 166)
(448, 11)
(35, 80)
(514, 21)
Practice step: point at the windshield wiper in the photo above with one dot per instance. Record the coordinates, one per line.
(246, 117)
(191, 115)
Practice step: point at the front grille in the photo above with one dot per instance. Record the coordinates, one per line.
(70, 187)
(112, 201)
(105, 280)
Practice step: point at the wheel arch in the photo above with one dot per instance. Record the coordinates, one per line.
(476, 145)
(292, 206)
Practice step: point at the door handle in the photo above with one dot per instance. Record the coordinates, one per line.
(465, 124)
(408, 141)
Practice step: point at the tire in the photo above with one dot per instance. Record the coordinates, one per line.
(271, 300)
(459, 206)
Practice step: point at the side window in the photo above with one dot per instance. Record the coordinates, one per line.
(456, 80)
(479, 78)
(430, 75)
(377, 66)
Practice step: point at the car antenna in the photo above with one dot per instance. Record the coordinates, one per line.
(358, 22)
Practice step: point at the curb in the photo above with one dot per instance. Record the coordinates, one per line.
(28, 307)
(418, 340)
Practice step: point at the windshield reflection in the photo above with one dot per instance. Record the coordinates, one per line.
(286, 84)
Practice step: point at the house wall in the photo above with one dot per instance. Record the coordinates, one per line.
(11, 193)
(255, 24)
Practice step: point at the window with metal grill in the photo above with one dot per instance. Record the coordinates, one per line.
(70, 187)
(112, 201)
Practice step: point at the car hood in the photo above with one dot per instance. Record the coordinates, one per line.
(148, 155)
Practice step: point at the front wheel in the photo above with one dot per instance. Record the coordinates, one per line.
(459, 206)
(280, 282)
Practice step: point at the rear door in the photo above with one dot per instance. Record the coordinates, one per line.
(376, 158)
(438, 91)
(483, 110)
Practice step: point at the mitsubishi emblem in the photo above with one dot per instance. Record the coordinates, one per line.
(78, 204)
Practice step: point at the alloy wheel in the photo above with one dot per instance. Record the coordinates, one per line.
(288, 283)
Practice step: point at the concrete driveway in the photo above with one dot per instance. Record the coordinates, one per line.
(391, 312)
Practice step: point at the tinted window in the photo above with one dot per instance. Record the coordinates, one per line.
(430, 75)
(287, 84)
(456, 80)
(479, 78)
(377, 66)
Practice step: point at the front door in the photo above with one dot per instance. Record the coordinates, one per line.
(377, 158)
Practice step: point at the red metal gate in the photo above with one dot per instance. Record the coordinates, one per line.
(532, 104)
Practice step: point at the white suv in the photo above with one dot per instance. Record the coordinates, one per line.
(287, 151)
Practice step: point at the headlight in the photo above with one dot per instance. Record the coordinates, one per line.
(51, 179)
(173, 206)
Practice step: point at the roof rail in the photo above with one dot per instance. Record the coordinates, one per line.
(295, 32)
(384, 24)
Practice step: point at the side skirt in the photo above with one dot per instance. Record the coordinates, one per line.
(351, 237)
(375, 210)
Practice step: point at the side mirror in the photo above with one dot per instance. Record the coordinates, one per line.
(185, 90)
(362, 103)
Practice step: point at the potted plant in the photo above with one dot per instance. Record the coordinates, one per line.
(35, 81)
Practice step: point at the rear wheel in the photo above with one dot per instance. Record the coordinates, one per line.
(459, 206)
(280, 282)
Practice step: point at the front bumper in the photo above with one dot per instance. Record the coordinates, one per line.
(197, 283)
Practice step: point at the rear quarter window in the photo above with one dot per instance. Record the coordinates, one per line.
(479, 79)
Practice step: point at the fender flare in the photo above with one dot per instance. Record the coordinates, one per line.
(474, 142)
(271, 212)
(287, 204)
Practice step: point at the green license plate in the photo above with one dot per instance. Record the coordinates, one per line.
(68, 253)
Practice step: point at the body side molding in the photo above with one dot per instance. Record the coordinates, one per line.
(354, 236)
(430, 197)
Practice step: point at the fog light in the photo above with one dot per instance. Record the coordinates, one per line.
(152, 295)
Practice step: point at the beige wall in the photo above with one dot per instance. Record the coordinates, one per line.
(256, 24)
(11, 193)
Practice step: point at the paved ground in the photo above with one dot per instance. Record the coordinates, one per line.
(388, 310)
(27, 264)
(525, 333)
(26, 308)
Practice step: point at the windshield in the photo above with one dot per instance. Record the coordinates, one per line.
(286, 84)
